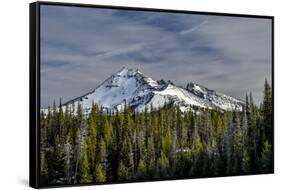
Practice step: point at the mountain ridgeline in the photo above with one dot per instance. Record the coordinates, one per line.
(133, 88)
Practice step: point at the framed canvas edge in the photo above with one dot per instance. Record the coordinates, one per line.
(34, 95)
(34, 87)
(273, 91)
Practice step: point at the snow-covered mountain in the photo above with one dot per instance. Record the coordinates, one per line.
(131, 87)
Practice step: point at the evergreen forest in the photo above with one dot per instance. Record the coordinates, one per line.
(163, 143)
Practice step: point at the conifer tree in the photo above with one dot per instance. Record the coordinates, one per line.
(267, 111)
(61, 124)
(252, 135)
(68, 155)
(141, 170)
(245, 128)
(163, 164)
(229, 138)
(150, 157)
(78, 150)
(57, 161)
(122, 171)
(173, 154)
(245, 155)
(85, 169)
(44, 172)
(217, 163)
(100, 174)
(197, 160)
(238, 146)
(266, 158)
(92, 139)
(246, 165)
(167, 141)
(101, 157)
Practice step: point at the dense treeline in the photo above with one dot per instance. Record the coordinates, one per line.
(160, 144)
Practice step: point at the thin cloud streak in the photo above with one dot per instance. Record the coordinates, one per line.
(190, 30)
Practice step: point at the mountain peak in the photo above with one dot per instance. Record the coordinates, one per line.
(198, 89)
(218, 99)
(125, 71)
(129, 86)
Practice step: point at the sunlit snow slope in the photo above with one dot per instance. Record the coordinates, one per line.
(131, 87)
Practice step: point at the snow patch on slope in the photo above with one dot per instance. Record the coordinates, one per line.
(132, 88)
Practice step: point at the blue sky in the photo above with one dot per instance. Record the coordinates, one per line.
(81, 47)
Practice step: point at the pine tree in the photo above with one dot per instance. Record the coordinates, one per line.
(179, 130)
(78, 151)
(92, 139)
(107, 132)
(85, 169)
(229, 138)
(173, 154)
(247, 110)
(127, 157)
(246, 165)
(101, 157)
(197, 160)
(141, 170)
(44, 173)
(100, 175)
(266, 158)
(122, 172)
(245, 128)
(167, 141)
(150, 157)
(56, 162)
(238, 146)
(267, 111)
(208, 135)
(61, 123)
(163, 164)
(217, 163)
(68, 155)
(252, 135)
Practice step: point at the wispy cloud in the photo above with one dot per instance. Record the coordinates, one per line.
(190, 30)
(80, 47)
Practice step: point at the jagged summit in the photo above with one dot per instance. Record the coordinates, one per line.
(218, 99)
(200, 90)
(125, 71)
(130, 86)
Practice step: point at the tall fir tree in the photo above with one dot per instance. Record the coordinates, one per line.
(266, 163)
(85, 168)
(238, 146)
(267, 112)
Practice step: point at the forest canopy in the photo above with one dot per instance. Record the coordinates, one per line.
(163, 143)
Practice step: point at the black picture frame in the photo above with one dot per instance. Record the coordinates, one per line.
(34, 81)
